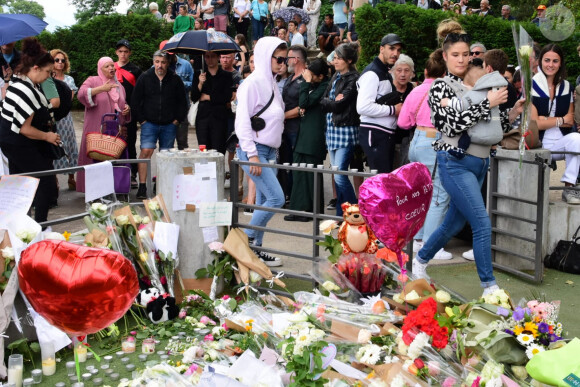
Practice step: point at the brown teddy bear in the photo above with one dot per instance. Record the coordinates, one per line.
(354, 234)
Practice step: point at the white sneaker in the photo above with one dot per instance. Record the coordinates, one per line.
(417, 245)
(469, 255)
(489, 290)
(227, 183)
(443, 255)
(420, 270)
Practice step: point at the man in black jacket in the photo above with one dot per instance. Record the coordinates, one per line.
(159, 104)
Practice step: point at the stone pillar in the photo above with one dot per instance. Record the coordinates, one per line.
(520, 183)
(193, 252)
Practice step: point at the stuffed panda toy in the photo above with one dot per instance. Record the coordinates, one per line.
(158, 307)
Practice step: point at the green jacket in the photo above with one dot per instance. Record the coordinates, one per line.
(182, 24)
(311, 138)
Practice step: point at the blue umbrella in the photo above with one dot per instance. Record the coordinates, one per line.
(14, 27)
(199, 42)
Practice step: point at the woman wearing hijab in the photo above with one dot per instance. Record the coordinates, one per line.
(100, 95)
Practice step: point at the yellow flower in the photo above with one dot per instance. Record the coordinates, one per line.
(449, 311)
(518, 330)
(532, 328)
(143, 257)
(66, 235)
(249, 325)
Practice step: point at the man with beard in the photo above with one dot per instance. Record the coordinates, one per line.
(159, 104)
(378, 113)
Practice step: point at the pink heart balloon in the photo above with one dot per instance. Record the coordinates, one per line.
(395, 204)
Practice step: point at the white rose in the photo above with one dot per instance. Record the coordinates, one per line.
(122, 220)
(442, 296)
(364, 336)
(413, 295)
(327, 226)
(255, 277)
(330, 286)
(153, 205)
(54, 236)
(397, 298)
(137, 219)
(7, 252)
(526, 51)
(146, 220)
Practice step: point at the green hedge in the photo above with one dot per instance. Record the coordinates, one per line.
(417, 28)
(86, 43)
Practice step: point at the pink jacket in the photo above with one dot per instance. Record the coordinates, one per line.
(419, 95)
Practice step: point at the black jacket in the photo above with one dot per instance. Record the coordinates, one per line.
(343, 111)
(159, 102)
(219, 87)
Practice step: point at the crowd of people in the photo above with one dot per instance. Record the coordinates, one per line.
(286, 108)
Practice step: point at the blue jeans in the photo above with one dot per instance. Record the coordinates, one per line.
(422, 151)
(151, 132)
(268, 190)
(462, 178)
(257, 29)
(344, 190)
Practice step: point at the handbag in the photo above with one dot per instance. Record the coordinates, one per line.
(105, 146)
(566, 256)
(511, 139)
(258, 122)
(192, 113)
(264, 19)
(43, 121)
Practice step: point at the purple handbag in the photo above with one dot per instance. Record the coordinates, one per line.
(121, 172)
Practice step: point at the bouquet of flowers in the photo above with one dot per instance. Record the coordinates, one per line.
(222, 266)
(364, 271)
(423, 319)
(156, 209)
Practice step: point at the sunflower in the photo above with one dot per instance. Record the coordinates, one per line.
(518, 329)
(532, 328)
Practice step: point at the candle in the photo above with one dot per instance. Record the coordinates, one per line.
(36, 376)
(148, 346)
(81, 352)
(48, 366)
(128, 345)
(15, 376)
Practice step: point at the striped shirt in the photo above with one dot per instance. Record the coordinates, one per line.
(22, 100)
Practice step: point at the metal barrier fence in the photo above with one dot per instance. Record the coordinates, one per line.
(553, 166)
(495, 214)
(72, 218)
(316, 214)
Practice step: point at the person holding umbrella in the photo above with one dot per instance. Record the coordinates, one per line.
(259, 96)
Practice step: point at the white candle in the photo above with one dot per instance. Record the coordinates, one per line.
(15, 375)
(48, 366)
(81, 351)
(128, 345)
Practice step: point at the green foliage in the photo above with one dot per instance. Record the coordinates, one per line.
(333, 246)
(417, 28)
(21, 346)
(86, 43)
(23, 6)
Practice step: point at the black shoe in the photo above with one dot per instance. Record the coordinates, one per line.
(249, 211)
(142, 192)
(296, 218)
(268, 259)
(331, 204)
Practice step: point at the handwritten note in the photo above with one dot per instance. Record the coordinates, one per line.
(421, 208)
(215, 214)
(16, 194)
(193, 189)
(206, 170)
(99, 180)
(210, 234)
(166, 237)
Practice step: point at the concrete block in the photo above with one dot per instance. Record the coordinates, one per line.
(520, 182)
(193, 252)
(562, 223)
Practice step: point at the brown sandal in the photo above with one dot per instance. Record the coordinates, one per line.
(72, 184)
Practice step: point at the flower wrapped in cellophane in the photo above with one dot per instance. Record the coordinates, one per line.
(364, 271)
(524, 50)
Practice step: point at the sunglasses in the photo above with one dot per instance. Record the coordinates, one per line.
(454, 38)
(474, 53)
(281, 59)
(58, 60)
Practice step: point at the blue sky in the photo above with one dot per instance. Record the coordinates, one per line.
(59, 13)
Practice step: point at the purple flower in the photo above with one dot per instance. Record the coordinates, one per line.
(502, 311)
(520, 313)
(509, 332)
(545, 342)
(543, 327)
(554, 337)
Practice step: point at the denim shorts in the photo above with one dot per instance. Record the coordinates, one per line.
(151, 132)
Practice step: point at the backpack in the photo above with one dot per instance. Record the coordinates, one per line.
(65, 95)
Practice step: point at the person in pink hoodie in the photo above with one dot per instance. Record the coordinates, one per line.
(259, 94)
(416, 111)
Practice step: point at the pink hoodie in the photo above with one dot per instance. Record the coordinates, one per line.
(253, 94)
(419, 95)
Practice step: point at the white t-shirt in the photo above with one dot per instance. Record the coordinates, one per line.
(554, 134)
(297, 38)
(206, 15)
(242, 6)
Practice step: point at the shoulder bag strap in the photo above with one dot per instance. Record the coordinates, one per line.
(265, 107)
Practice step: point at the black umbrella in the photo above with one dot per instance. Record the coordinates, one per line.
(199, 42)
(14, 27)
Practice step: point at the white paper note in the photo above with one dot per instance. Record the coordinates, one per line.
(16, 194)
(193, 189)
(210, 234)
(166, 237)
(99, 180)
(215, 214)
(206, 170)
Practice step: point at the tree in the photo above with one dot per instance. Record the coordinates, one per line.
(23, 6)
(87, 9)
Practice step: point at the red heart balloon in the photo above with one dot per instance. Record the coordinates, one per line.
(395, 204)
(78, 289)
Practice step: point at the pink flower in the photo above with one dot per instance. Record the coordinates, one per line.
(449, 382)
(226, 297)
(182, 313)
(133, 333)
(191, 370)
(476, 382)
(204, 320)
(218, 247)
(208, 337)
(225, 327)
(532, 304)
(403, 278)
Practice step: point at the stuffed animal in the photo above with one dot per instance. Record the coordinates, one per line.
(158, 307)
(354, 234)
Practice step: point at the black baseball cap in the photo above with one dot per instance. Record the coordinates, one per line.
(123, 42)
(391, 40)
